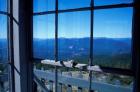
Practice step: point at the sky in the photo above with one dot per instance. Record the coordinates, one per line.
(3, 19)
(111, 23)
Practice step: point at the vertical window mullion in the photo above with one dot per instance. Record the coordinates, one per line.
(135, 46)
(10, 43)
(8, 32)
(91, 44)
(56, 43)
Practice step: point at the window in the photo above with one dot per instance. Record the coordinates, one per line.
(112, 37)
(3, 6)
(3, 39)
(44, 35)
(4, 67)
(73, 33)
(71, 4)
(95, 33)
(44, 5)
(111, 2)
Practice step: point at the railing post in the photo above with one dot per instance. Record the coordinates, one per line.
(59, 87)
(80, 75)
(51, 86)
(69, 88)
(79, 89)
(42, 68)
(60, 84)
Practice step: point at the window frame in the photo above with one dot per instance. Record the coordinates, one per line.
(10, 38)
(128, 72)
(9, 62)
(91, 9)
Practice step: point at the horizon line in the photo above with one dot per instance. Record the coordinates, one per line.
(88, 37)
(83, 37)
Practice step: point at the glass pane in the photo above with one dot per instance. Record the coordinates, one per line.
(44, 34)
(73, 36)
(44, 5)
(70, 4)
(73, 44)
(110, 2)
(74, 76)
(4, 83)
(3, 39)
(114, 81)
(112, 37)
(3, 5)
(49, 74)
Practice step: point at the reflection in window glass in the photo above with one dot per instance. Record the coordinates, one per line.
(73, 74)
(112, 37)
(44, 5)
(110, 2)
(4, 83)
(3, 5)
(74, 36)
(3, 39)
(122, 81)
(43, 45)
(70, 4)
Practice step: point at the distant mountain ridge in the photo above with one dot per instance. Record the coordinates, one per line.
(114, 52)
(72, 47)
(3, 50)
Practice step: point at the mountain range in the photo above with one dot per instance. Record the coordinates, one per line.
(78, 47)
(114, 52)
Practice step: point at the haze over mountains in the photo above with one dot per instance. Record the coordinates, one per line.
(114, 52)
(72, 47)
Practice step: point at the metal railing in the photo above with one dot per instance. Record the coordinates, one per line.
(40, 84)
(78, 82)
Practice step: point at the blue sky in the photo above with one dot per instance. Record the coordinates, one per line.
(111, 23)
(3, 19)
(3, 4)
(3, 26)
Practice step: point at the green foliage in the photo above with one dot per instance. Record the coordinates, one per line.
(116, 61)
